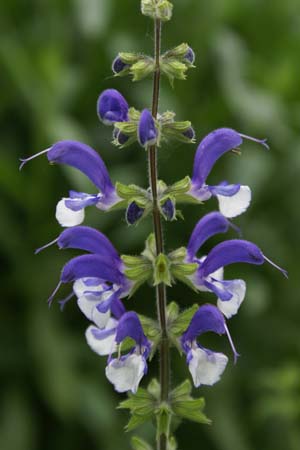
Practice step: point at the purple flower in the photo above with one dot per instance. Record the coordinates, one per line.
(70, 210)
(205, 366)
(126, 372)
(168, 209)
(209, 275)
(233, 199)
(112, 107)
(98, 277)
(147, 132)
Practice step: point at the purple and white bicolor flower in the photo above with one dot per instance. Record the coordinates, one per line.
(205, 366)
(233, 199)
(209, 275)
(147, 132)
(112, 107)
(70, 210)
(98, 277)
(126, 371)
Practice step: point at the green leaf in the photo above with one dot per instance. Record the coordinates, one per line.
(154, 388)
(172, 311)
(191, 410)
(139, 444)
(163, 420)
(128, 192)
(178, 255)
(140, 403)
(183, 390)
(180, 324)
(150, 248)
(136, 420)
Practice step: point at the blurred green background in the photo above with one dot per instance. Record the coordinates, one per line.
(55, 58)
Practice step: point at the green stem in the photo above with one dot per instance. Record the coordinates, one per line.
(161, 298)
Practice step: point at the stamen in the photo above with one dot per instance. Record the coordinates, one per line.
(25, 160)
(235, 228)
(38, 250)
(235, 353)
(236, 151)
(50, 299)
(65, 301)
(283, 271)
(259, 141)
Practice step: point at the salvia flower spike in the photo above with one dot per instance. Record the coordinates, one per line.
(102, 280)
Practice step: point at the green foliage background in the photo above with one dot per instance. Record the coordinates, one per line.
(55, 58)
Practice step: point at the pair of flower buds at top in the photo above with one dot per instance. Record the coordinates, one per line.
(174, 64)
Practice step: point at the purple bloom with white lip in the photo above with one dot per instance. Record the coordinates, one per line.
(112, 107)
(70, 211)
(205, 366)
(147, 132)
(98, 277)
(126, 372)
(233, 199)
(209, 275)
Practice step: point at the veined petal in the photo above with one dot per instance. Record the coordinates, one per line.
(237, 289)
(229, 252)
(84, 158)
(112, 107)
(232, 206)
(88, 239)
(102, 341)
(126, 373)
(147, 133)
(66, 217)
(91, 266)
(211, 148)
(211, 224)
(206, 367)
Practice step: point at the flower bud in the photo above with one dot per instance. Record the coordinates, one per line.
(157, 9)
(112, 107)
(134, 213)
(168, 209)
(147, 132)
(119, 138)
(189, 57)
(118, 66)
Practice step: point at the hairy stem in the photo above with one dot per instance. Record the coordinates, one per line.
(158, 231)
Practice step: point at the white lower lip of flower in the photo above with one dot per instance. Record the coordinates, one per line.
(66, 217)
(206, 367)
(236, 204)
(126, 374)
(104, 346)
(231, 307)
(89, 309)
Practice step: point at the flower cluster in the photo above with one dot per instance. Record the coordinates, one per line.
(99, 277)
(102, 279)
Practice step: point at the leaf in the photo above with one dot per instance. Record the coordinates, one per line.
(191, 410)
(137, 420)
(183, 390)
(183, 320)
(139, 444)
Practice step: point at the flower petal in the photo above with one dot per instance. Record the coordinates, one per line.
(206, 367)
(211, 224)
(236, 204)
(237, 288)
(88, 239)
(112, 107)
(84, 158)
(206, 318)
(211, 148)
(229, 252)
(91, 266)
(66, 217)
(130, 326)
(126, 373)
(102, 341)
(88, 308)
(147, 133)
